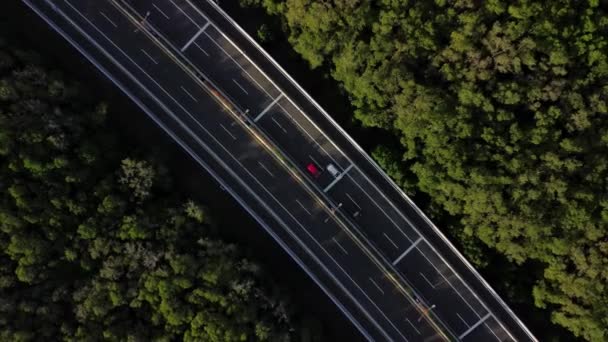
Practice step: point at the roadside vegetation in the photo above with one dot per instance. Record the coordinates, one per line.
(94, 242)
(501, 113)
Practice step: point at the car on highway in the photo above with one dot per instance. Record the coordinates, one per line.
(333, 170)
(313, 170)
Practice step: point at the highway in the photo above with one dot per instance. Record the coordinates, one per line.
(378, 259)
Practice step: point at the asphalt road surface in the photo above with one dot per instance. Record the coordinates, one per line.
(367, 253)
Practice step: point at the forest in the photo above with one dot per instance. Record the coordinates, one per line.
(94, 242)
(500, 116)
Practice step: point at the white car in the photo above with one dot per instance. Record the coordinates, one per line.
(333, 170)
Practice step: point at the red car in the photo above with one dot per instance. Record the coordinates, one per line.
(313, 170)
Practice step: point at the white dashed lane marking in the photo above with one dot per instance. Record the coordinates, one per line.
(240, 86)
(148, 55)
(266, 169)
(108, 19)
(187, 92)
(228, 132)
(413, 326)
(304, 208)
(340, 246)
(161, 12)
(280, 126)
(377, 286)
(390, 240)
(200, 48)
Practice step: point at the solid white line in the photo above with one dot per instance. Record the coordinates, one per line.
(194, 38)
(339, 245)
(352, 200)
(377, 286)
(304, 208)
(108, 19)
(278, 124)
(200, 48)
(184, 13)
(391, 241)
(268, 108)
(187, 92)
(145, 53)
(427, 280)
(409, 249)
(161, 12)
(240, 86)
(413, 326)
(227, 131)
(266, 169)
(462, 319)
(474, 326)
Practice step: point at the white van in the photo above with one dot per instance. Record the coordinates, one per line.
(333, 170)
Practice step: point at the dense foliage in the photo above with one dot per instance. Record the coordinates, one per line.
(502, 113)
(94, 246)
